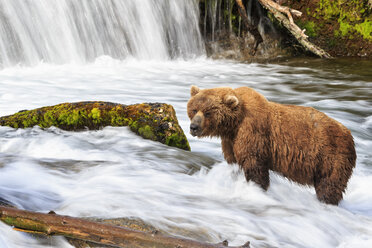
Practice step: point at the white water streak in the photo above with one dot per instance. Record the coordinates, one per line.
(62, 31)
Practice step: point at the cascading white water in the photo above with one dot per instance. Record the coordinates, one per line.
(62, 31)
(112, 173)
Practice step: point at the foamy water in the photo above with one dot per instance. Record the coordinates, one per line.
(114, 173)
(61, 31)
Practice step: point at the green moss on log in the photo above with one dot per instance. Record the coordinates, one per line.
(155, 121)
(24, 224)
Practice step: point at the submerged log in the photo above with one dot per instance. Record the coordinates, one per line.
(155, 121)
(53, 224)
(287, 21)
(5, 203)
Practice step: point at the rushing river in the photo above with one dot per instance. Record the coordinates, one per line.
(128, 51)
(114, 173)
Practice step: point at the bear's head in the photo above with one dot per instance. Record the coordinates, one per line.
(213, 112)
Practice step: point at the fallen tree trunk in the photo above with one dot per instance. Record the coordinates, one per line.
(52, 224)
(131, 223)
(288, 23)
(155, 121)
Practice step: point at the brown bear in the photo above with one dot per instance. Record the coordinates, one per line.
(301, 143)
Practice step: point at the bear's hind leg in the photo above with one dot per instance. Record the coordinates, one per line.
(330, 186)
(328, 191)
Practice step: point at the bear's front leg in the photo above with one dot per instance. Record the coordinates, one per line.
(228, 152)
(256, 170)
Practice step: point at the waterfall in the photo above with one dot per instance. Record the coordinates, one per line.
(63, 31)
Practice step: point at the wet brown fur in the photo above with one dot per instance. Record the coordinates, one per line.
(301, 143)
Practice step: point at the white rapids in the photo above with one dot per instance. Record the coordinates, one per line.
(114, 173)
(60, 31)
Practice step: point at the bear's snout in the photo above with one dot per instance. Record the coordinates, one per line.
(195, 126)
(194, 129)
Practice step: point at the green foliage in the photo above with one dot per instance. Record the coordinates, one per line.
(353, 16)
(331, 43)
(365, 29)
(345, 28)
(329, 8)
(310, 26)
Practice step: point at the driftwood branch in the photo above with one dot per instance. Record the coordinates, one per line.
(287, 21)
(283, 9)
(103, 234)
(251, 28)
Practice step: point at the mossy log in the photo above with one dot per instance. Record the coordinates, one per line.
(131, 223)
(155, 121)
(76, 228)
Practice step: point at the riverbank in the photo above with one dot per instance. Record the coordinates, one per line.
(343, 29)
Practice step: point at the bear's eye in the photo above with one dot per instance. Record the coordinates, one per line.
(194, 111)
(207, 115)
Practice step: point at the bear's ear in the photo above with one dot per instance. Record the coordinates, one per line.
(194, 90)
(231, 101)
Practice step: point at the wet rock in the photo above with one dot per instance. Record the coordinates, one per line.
(232, 47)
(149, 120)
